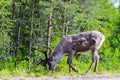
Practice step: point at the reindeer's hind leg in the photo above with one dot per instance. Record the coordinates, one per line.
(93, 60)
(96, 61)
(69, 61)
(95, 57)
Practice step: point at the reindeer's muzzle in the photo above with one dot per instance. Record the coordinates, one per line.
(52, 66)
(54, 59)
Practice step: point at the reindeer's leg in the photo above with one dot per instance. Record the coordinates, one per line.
(96, 61)
(69, 61)
(93, 60)
(95, 57)
(69, 69)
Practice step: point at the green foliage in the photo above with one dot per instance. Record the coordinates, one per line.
(76, 16)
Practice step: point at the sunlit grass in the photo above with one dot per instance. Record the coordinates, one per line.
(62, 69)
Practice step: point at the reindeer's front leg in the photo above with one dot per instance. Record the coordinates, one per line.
(69, 61)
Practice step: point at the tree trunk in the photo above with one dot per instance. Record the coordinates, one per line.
(30, 44)
(18, 35)
(3, 39)
(4, 47)
(13, 9)
(64, 21)
(11, 35)
(49, 30)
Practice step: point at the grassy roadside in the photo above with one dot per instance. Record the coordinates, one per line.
(62, 69)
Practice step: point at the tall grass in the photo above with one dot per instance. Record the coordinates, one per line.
(107, 64)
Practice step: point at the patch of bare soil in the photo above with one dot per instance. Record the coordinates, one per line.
(95, 77)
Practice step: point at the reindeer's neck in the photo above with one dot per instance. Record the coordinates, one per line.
(59, 48)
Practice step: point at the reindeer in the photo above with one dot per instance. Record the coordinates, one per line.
(72, 44)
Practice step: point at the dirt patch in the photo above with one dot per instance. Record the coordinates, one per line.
(96, 77)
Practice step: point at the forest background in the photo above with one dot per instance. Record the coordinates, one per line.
(29, 28)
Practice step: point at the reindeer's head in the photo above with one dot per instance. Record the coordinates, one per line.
(57, 55)
(54, 59)
(52, 62)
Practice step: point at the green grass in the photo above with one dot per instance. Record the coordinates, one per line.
(109, 66)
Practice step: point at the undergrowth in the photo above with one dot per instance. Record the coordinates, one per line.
(104, 67)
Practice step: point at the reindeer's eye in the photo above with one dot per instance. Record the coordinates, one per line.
(53, 54)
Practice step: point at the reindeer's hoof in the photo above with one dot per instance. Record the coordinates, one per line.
(75, 70)
(95, 71)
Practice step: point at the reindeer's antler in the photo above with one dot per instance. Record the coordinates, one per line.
(45, 61)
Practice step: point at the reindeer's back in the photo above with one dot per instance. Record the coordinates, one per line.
(83, 42)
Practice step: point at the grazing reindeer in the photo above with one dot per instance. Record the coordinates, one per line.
(71, 44)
